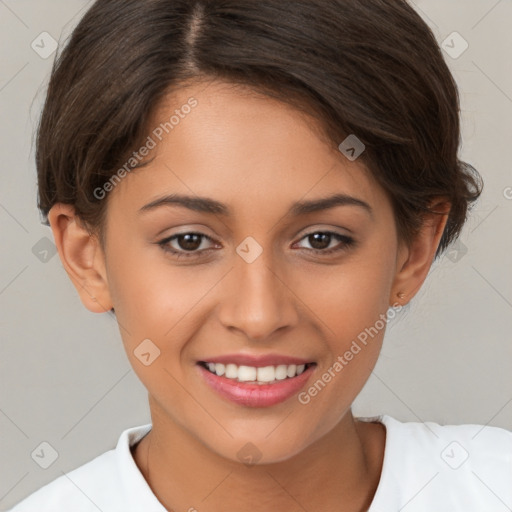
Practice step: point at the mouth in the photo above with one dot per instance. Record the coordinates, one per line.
(256, 383)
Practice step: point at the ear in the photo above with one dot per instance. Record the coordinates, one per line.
(82, 257)
(414, 261)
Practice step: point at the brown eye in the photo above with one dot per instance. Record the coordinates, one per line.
(189, 241)
(185, 244)
(321, 242)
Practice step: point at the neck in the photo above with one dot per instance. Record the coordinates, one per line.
(338, 472)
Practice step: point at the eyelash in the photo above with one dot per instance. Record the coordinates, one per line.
(347, 242)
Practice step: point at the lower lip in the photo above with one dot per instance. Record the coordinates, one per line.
(256, 395)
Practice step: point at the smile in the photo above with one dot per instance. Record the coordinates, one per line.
(259, 384)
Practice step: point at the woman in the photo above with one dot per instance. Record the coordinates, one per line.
(255, 189)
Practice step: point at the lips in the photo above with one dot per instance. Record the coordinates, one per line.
(256, 381)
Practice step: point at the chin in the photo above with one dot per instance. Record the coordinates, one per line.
(257, 450)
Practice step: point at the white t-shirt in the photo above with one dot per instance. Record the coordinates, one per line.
(427, 467)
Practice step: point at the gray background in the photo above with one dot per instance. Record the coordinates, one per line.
(65, 378)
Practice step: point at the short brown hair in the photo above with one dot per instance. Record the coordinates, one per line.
(366, 67)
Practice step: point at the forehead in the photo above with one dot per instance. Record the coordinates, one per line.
(244, 148)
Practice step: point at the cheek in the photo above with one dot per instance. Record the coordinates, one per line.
(154, 301)
(351, 303)
(351, 297)
(150, 294)
(354, 314)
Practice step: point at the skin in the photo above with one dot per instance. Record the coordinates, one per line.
(257, 156)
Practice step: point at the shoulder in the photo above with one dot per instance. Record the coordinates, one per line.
(100, 484)
(75, 490)
(456, 445)
(446, 467)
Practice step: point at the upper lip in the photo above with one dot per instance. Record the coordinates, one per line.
(256, 360)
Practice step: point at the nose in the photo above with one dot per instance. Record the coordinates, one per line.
(257, 301)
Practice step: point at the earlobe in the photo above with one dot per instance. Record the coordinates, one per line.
(81, 257)
(414, 261)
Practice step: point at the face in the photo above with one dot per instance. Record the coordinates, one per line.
(248, 272)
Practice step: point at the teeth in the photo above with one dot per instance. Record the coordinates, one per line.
(246, 373)
(266, 374)
(291, 370)
(281, 372)
(232, 371)
(260, 375)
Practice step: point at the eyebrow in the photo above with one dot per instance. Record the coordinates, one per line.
(207, 205)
